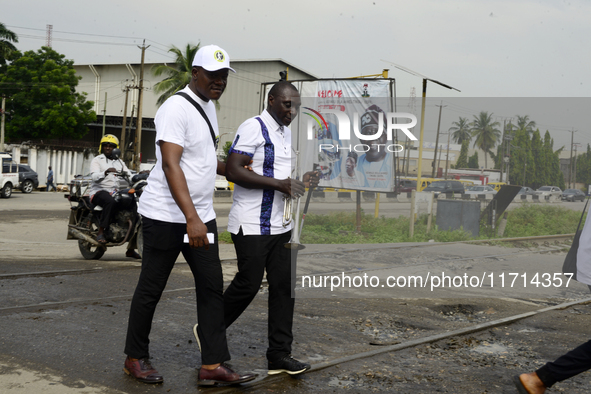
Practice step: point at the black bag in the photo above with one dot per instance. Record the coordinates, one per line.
(570, 262)
(215, 139)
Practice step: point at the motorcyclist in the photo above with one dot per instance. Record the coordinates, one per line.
(103, 170)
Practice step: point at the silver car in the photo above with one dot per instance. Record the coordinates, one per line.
(549, 191)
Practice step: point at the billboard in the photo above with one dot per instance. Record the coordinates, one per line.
(345, 126)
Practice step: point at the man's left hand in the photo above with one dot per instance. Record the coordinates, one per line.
(311, 179)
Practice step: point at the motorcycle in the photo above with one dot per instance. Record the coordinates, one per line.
(125, 225)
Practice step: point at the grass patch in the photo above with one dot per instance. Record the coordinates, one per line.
(225, 238)
(340, 227)
(534, 220)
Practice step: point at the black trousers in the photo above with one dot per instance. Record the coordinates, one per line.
(162, 244)
(572, 363)
(257, 253)
(105, 200)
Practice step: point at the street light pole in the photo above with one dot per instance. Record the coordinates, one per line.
(425, 79)
(447, 155)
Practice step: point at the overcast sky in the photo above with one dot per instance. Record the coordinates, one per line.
(512, 48)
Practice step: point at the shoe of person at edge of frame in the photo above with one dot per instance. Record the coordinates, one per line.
(142, 370)
(287, 364)
(223, 375)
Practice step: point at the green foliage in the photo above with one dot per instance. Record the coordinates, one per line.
(177, 75)
(485, 132)
(226, 149)
(462, 161)
(461, 131)
(340, 227)
(225, 238)
(473, 161)
(7, 48)
(541, 219)
(583, 168)
(42, 90)
(523, 123)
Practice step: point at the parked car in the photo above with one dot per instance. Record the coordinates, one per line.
(546, 191)
(496, 185)
(8, 181)
(439, 187)
(221, 183)
(573, 195)
(407, 185)
(528, 191)
(27, 178)
(480, 190)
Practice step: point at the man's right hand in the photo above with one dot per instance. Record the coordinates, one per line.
(108, 170)
(197, 233)
(293, 187)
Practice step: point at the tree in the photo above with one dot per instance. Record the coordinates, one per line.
(462, 161)
(523, 123)
(461, 131)
(485, 132)
(177, 75)
(226, 149)
(42, 89)
(473, 161)
(583, 167)
(7, 49)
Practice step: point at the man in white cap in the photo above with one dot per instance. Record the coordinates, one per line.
(178, 217)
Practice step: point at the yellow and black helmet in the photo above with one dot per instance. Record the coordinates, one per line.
(108, 138)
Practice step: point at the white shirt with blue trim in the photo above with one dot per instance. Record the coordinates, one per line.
(260, 211)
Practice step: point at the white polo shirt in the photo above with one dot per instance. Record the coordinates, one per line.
(260, 211)
(177, 121)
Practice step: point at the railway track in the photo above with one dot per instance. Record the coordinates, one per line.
(274, 379)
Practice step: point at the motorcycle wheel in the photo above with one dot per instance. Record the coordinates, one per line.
(88, 250)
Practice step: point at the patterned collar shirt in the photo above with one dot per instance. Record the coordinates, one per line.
(260, 211)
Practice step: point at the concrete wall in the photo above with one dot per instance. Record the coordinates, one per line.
(66, 163)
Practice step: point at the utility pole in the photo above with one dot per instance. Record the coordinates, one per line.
(437, 140)
(124, 126)
(503, 159)
(138, 133)
(508, 139)
(575, 171)
(105, 115)
(2, 123)
(447, 155)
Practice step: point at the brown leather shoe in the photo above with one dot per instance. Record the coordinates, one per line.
(142, 370)
(222, 376)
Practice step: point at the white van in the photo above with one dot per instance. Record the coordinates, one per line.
(8, 180)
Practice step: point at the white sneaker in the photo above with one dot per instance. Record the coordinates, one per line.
(197, 336)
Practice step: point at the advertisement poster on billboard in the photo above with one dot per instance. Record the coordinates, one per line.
(342, 126)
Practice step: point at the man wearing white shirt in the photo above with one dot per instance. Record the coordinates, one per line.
(178, 203)
(256, 221)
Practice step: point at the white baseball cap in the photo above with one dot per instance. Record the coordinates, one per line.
(212, 58)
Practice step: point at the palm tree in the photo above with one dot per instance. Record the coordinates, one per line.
(461, 131)
(523, 123)
(178, 75)
(6, 46)
(485, 132)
